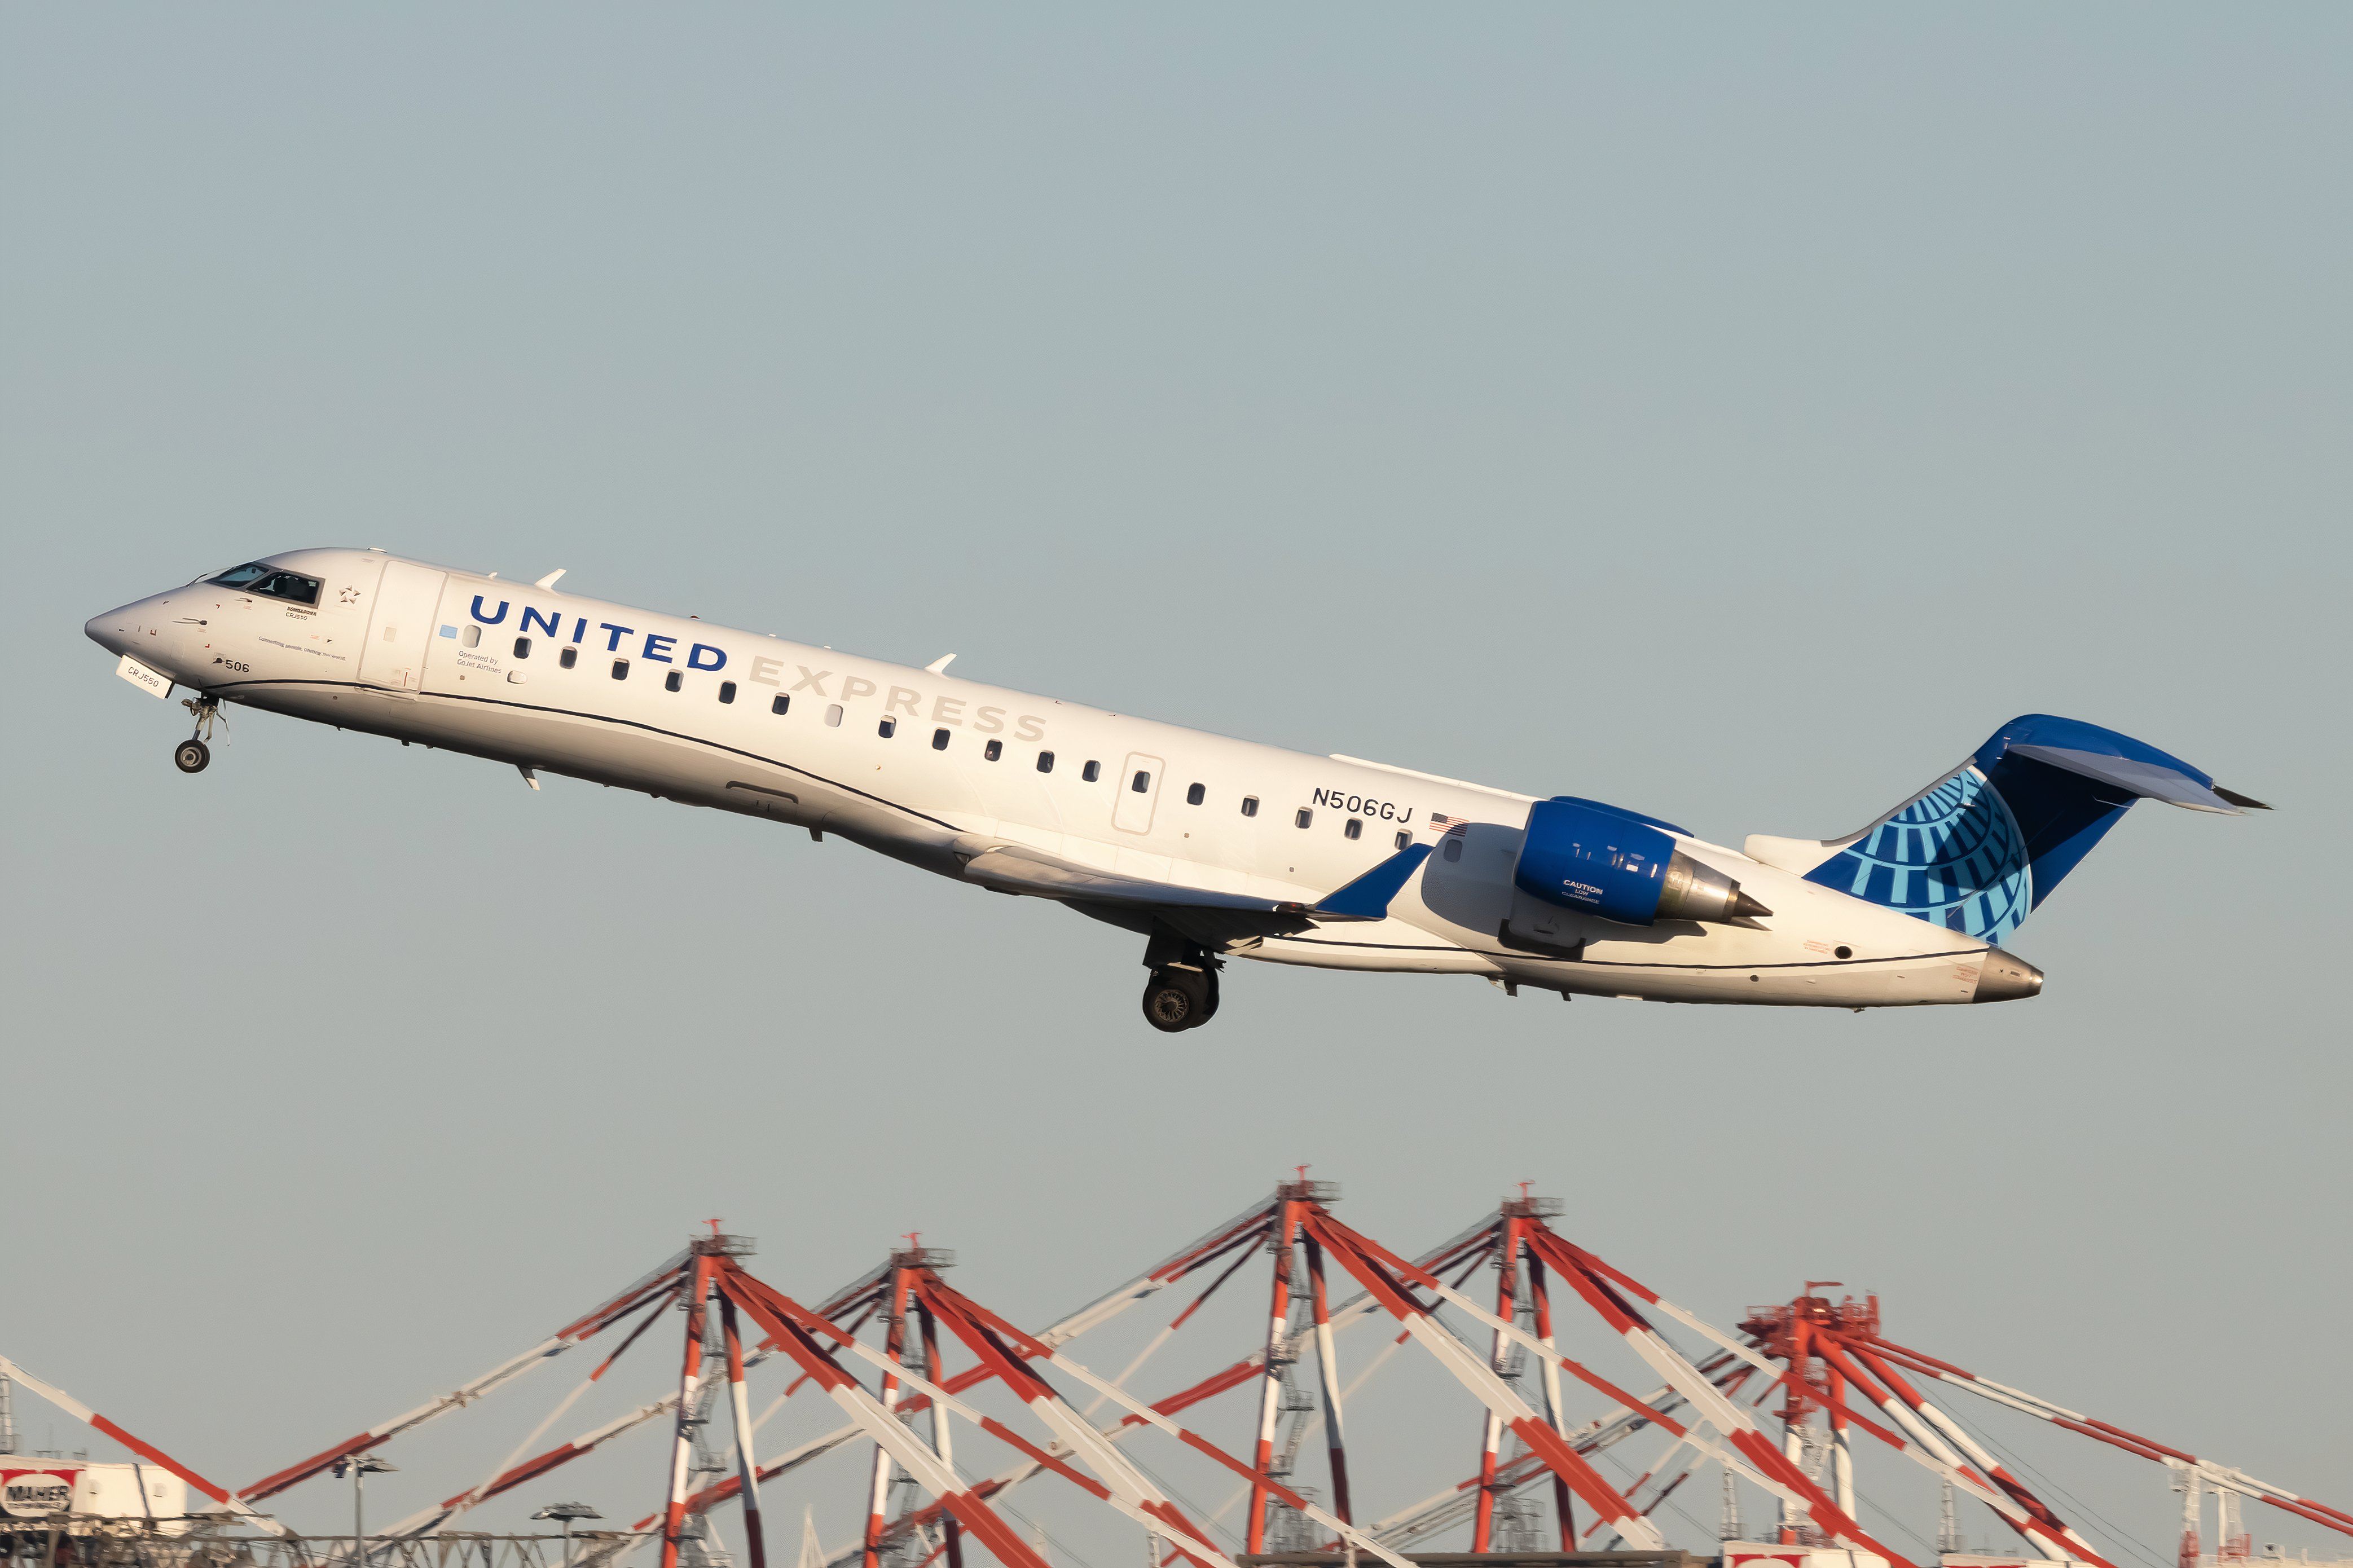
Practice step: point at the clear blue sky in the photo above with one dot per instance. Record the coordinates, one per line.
(1735, 413)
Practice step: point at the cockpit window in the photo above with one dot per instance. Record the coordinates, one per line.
(289, 585)
(257, 577)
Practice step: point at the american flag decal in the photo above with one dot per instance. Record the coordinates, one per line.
(1442, 824)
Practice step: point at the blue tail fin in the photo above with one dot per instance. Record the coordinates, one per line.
(1979, 849)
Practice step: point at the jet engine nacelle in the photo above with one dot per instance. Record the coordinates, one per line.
(1581, 855)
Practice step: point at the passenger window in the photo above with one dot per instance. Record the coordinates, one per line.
(523, 648)
(1454, 850)
(672, 682)
(1045, 762)
(1305, 816)
(727, 692)
(1403, 838)
(1143, 784)
(1091, 772)
(779, 703)
(1355, 828)
(833, 715)
(993, 751)
(470, 638)
(620, 669)
(939, 739)
(1249, 806)
(568, 657)
(887, 728)
(1193, 794)
(240, 577)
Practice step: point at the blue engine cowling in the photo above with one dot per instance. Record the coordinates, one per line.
(1581, 855)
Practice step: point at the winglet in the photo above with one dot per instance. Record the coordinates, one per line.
(549, 581)
(940, 665)
(1367, 898)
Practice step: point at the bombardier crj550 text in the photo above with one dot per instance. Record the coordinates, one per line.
(1205, 847)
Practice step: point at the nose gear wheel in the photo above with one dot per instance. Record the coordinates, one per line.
(192, 755)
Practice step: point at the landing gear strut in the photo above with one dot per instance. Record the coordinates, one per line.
(191, 754)
(1182, 993)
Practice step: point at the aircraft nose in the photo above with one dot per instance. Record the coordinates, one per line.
(110, 631)
(2005, 978)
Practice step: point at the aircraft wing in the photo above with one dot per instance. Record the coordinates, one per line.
(1016, 869)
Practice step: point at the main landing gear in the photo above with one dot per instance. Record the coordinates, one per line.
(1183, 991)
(191, 754)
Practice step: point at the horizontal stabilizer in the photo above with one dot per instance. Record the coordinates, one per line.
(2150, 781)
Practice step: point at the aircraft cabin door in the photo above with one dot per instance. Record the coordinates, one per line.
(1139, 788)
(400, 631)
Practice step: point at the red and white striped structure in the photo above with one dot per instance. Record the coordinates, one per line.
(139, 1445)
(875, 1350)
(664, 1279)
(1833, 1354)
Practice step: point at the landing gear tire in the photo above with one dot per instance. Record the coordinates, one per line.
(1208, 1008)
(1177, 999)
(191, 754)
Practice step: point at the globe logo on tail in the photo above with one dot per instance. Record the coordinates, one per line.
(1952, 855)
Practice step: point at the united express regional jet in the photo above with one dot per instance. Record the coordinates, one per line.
(1205, 847)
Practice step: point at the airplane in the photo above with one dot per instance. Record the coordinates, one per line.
(1206, 847)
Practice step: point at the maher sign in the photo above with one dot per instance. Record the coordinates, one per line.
(36, 1494)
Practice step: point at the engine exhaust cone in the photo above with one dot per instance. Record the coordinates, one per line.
(1691, 891)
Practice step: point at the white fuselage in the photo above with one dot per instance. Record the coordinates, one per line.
(935, 769)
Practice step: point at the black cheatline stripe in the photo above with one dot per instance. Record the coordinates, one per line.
(625, 723)
(1618, 964)
(921, 816)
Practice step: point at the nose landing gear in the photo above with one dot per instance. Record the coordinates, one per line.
(191, 755)
(1182, 993)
